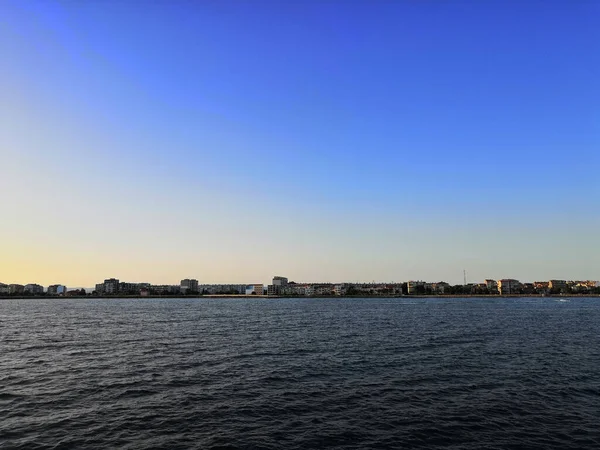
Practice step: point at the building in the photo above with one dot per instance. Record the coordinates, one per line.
(323, 290)
(528, 288)
(294, 289)
(557, 285)
(33, 289)
(340, 289)
(15, 289)
(273, 290)
(255, 289)
(4, 289)
(163, 289)
(584, 286)
(441, 287)
(57, 289)
(509, 286)
(132, 288)
(491, 286)
(222, 289)
(416, 287)
(280, 281)
(188, 286)
(109, 287)
(278, 286)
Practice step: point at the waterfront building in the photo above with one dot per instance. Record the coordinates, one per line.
(163, 289)
(528, 288)
(324, 289)
(188, 286)
(15, 289)
(57, 289)
(491, 286)
(294, 289)
(111, 286)
(319, 290)
(541, 287)
(222, 289)
(255, 289)
(132, 288)
(288, 289)
(583, 286)
(278, 286)
(416, 287)
(439, 288)
(557, 285)
(509, 286)
(33, 289)
(280, 281)
(340, 289)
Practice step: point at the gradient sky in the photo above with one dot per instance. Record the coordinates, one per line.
(232, 141)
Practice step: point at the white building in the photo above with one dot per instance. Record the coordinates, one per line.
(33, 289)
(340, 289)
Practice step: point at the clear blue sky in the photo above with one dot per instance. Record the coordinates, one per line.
(326, 141)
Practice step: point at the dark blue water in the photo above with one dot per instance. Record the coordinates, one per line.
(302, 373)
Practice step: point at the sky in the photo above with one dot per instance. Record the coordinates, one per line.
(231, 141)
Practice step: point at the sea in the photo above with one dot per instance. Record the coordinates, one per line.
(309, 373)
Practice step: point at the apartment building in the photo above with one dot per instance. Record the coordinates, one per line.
(57, 289)
(33, 289)
(188, 286)
(508, 286)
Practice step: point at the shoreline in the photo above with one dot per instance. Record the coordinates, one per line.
(240, 296)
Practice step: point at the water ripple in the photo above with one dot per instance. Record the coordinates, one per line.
(302, 373)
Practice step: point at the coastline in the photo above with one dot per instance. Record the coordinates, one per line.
(239, 296)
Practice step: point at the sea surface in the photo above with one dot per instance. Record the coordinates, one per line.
(517, 373)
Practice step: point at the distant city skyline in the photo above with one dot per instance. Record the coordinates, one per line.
(352, 141)
(192, 284)
(281, 286)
